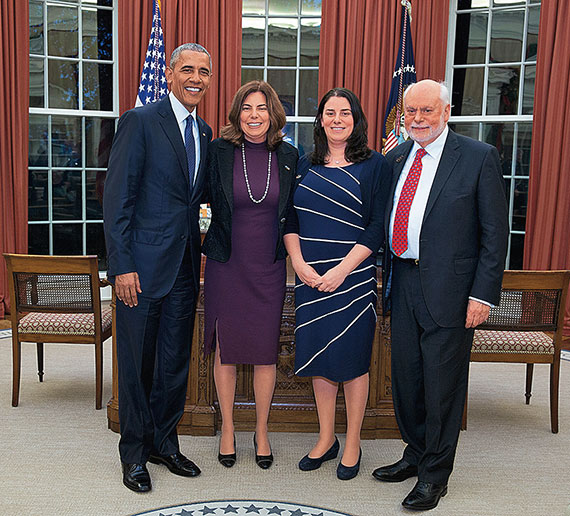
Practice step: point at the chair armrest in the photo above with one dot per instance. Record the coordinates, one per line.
(104, 282)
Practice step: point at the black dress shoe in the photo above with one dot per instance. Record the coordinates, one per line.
(136, 477)
(396, 472)
(227, 459)
(347, 472)
(309, 464)
(424, 496)
(177, 464)
(263, 461)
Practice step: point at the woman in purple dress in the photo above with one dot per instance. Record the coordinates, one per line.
(251, 173)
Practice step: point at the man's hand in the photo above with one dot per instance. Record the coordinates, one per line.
(332, 279)
(127, 286)
(477, 313)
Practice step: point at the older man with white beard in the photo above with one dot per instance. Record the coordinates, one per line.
(447, 234)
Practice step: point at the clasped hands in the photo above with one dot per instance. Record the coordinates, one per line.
(328, 282)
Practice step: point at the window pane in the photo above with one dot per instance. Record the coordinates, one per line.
(470, 47)
(502, 3)
(528, 91)
(282, 42)
(98, 86)
(532, 35)
(466, 129)
(66, 195)
(503, 91)
(517, 249)
(523, 145)
(283, 81)
(36, 28)
(305, 138)
(310, 39)
(501, 136)
(252, 41)
(38, 195)
(62, 84)
(67, 239)
(36, 82)
(38, 141)
(255, 74)
(520, 201)
(283, 7)
(66, 141)
(467, 95)
(99, 134)
(96, 244)
(253, 7)
(506, 36)
(62, 31)
(97, 34)
(38, 238)
(94, 181)
(472, 4)
(308, 92)
(311, 7)
(107, 3)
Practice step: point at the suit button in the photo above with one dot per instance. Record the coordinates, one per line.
(283, 220)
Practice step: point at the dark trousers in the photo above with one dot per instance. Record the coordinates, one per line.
(153, 355)
(430, 368)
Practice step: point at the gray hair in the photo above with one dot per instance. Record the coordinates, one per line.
(443, 91)
(193, 47)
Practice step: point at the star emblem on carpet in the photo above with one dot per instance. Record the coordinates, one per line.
(242, 507)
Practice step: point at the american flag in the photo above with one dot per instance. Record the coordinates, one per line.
(404, 74)
(153, 80)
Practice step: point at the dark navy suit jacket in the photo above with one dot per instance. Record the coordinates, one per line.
(151, 212)
(463, 239)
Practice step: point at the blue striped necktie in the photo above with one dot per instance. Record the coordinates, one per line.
(190, 148)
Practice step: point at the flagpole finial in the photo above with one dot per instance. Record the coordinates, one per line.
(408, 5)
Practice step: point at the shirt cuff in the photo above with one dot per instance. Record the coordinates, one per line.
(481, 301)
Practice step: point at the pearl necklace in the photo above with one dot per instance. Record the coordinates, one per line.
(256, 201)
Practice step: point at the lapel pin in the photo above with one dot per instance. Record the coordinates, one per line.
(203, 134)
(399, 158)
(298, 176)
(287, 167)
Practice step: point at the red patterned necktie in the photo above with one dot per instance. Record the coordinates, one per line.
(400, 231)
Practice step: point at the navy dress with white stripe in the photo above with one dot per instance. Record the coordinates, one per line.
(335, 330)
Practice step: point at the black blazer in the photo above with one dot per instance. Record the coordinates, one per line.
(220, 195)
(463, 239)
(150, 212)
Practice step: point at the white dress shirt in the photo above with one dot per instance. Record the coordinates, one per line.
(181, 114)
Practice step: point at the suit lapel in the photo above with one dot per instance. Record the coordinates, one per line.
(399, 162)
(449, 158)
(226, 170)
(170, 127)
(197, 190)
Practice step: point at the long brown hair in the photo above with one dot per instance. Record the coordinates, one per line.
(232, 132)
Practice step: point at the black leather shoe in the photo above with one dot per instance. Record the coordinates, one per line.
(309, 464)
(136, 477)
(397, 472)
(227, 459)
(348, 472)
(263, 461)
(177, 464)
(424, 496)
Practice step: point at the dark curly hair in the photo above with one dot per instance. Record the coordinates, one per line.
(357, 144)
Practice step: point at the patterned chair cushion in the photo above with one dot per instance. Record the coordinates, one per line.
(69, 324)
(491, 341)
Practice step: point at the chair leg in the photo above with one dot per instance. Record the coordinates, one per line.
(529, 372)
(554, 388)
(98, 374)
(16, 363)
(40, 350)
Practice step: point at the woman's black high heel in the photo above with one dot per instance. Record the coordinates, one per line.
(263, 461)
(227, 459)
(309, 464)
(347, 472)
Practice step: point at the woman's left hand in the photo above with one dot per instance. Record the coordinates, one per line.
(332, 279)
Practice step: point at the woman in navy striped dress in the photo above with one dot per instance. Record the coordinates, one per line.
(332, 236)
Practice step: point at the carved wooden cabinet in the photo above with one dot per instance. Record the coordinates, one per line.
(293, 408)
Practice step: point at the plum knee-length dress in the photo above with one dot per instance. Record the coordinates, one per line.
(243, 297)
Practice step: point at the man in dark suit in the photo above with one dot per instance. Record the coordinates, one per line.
(447, 231)
(151, 211)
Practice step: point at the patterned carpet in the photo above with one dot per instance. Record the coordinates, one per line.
(239, 507)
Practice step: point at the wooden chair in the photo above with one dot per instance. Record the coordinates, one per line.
(56, 299)
(526, 327)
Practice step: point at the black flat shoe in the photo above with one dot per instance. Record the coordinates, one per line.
(348, 472)
(263, 461)
(424, 496)
(136, 477)
(397, 472)
(309, 464)
(227, 459)
(177, 464)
